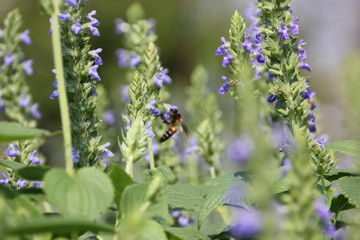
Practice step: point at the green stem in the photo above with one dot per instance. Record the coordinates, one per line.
(64, 109)
(129, 168)
(212, 172)
(151, 155)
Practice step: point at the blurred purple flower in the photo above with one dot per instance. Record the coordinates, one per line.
(135, 59)
(5, 179)
(12, 150)
(72, 3)
(37, 183)
(259, 55)
(123, 57)
(153, 109)
(77, 27)
(2, 104)
(54, 94)
(109, 117)
(322, 140)
(271, 98)
(248, 45)
(162, 77)
(75, 155)
(124, 92)
(25, 100)
(64, 16)
(28, 67)
(282, 138)
(225, 86)
(325, 216)
(241, 149)
(93, 73)
(183, 220)
(25, 37)
(21, 183)
(286, 167)
(120, 26)
(306, 66)
(35, 111)
(152, 22)
(107, 151)
(34, 159)
(9, 59)
(97, 58)
(149, 130)
(284, 31)
(247, 223)
(94, 93)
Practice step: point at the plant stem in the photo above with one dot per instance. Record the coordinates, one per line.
(151, 155)
(129, 168)
(212, 172)
(63, 102)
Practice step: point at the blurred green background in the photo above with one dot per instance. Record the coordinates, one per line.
(189, 32)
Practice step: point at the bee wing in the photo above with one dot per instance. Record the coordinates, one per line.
(186, 129)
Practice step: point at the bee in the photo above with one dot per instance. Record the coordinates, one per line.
(174, 122)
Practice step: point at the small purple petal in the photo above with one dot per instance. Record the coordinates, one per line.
(75, 155)
(72, 3)
(35, 111)
(64, 16)
(93, 73)
(28, 67)
(25, 37)
(34, 159)
(77, 27)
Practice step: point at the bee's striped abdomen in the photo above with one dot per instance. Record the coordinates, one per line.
(171, 131)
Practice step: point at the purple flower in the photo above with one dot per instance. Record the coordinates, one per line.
(222, 50)
(247, 223)
(302, 51)
(259, 56)
(311, 122)
(284, 31)
(247, 45)
(25, 37)
(77, 27)
(21, 183)
(294, 26)
(305, 66)
(5, 179)
(64, 16)
(123, 57)
(282, 138)
(28, 67)
(94, 31)
(107, 151)
(183, 220)
(322, 140)
(25, 100)
(2, 104)
(93, 21)
(176, 214)
(135, 59)
(93, 73)
(97, 58)
(153, 109)
(241, 149)
(286, 167)
(162, 77)
(54, 94)
(310, 95)
(34, 159)
(109, 117)
(94, 93)
(152, 22)
(271, 98)
(120, 26)
(258, 38)
(149, 130)
(37, 183)
(12, 150)
(325, 216)
(72, 3)
(9, 59)
(35, 111)
(75, 155)
(225, 86)
(193, 147)
(124, 92)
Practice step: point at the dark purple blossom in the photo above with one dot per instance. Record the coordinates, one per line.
(25, 100)
(248, 45)
(93, 73)
(72, 3)
(12, 150)
(124, 92)
(306, 66)
(34, 159)
(310, 95)
(284, 31)
(107, 151)
(247, 223)
(271, 98)
(272, 77)
(325, 216)
(162, 77)
(77, 27)
(258, 38)
(28, 67)
(21, 183)
(25, 37)
(225, 86)
(64, 16)
(121, 26)
(54, 94)
(35, 111)
(9, 59)
(75, 155)
(5, 179)
(109, 117)
(97, 58)
(294, 26)
(222, 50)
(148, 129)
(135, 59)
(153, 109)
(311, 122)
(241, 149)
(259, 55)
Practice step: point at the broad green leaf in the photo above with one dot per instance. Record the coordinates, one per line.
(348, 147)
(33, 173)
(137, 227)
(59, 226)
(120, 180)
(165, 172)
(227, 189)
(12, 164)
(278, 184)
(350, 187)
(133, 198)
(10, 131)
(186, 233)
(159, 211)
(340, 203)
(186, 196)
(337, 173)
(84, 195)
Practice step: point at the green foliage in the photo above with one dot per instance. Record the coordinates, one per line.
(33, 173)
(10, 131)
(350, 187)
(185, 233)
(348, 147)
(186, 196)
(136, 228)
(82, 196)
(120, 181)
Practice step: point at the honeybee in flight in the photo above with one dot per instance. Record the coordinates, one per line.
(174, 122)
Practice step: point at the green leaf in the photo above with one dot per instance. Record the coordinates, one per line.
(186, 196)
(165, 172)
(33, 173)
(186, 233)
(137, 227)
(10, 131)
(350, 187)
(59, 226)
(278, 184)
(348, 147)
(337, 173)
(12, 164)
(120, 180)
(133, 198)
(84, 195)
(340, 203)
(227, 189)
